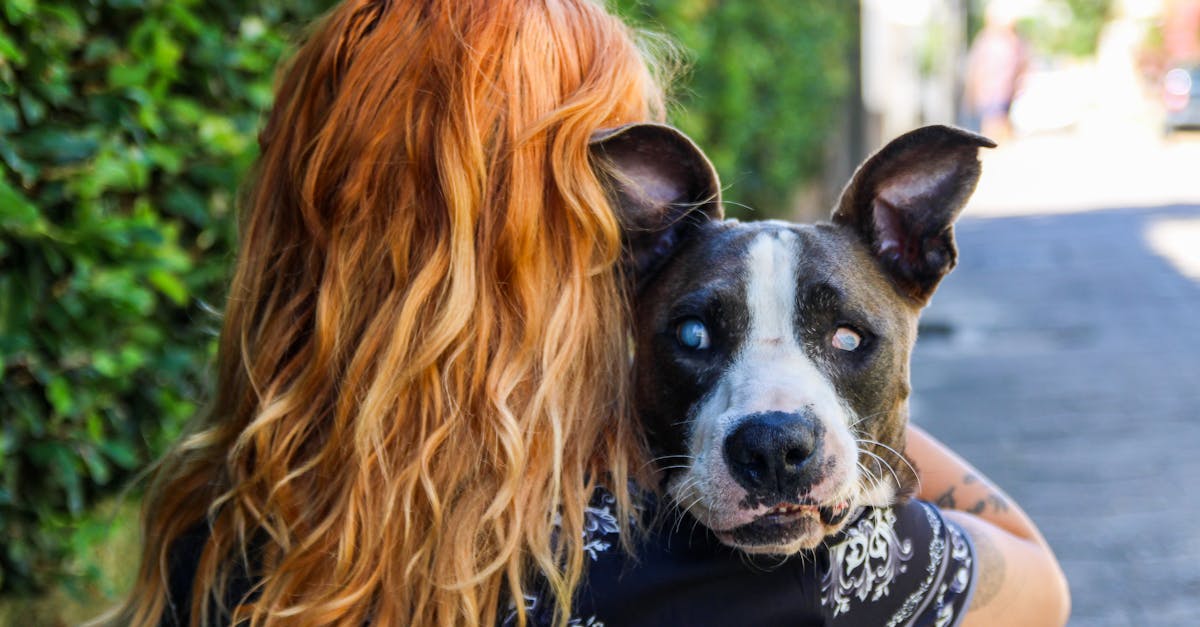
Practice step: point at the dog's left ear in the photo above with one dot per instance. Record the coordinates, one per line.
(902, 202)
(663, 186)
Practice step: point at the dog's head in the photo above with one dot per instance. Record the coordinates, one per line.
(772, 358)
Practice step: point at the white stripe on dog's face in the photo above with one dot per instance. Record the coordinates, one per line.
(770, 372)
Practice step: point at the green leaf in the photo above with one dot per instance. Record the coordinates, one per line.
(27, 170)
(34, 109)
(170, 286)
(106, 364)
(97, 467)
(167, 51)
(95, 427)
(16, 212)
(183, 201)
(8, 116)
(58, 145)
(58, 392)
(120, 452)
(168, 158)
(10, 52)
(64, 465)
(18, 10)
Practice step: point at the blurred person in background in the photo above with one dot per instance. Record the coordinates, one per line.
(995, 65)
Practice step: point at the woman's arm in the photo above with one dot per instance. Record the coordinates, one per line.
(1019, 579)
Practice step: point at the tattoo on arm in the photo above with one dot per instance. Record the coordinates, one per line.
(946, 500)
(995, 500)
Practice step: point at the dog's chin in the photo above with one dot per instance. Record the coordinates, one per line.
(787, 529)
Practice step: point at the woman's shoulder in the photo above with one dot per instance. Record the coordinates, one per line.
(183, 562)
(900, 565)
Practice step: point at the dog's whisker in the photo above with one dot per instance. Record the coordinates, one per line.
(862, 419)
(881, 461)
(663, 458)
(682, 492)
(683, 512)
(692, 531)
(871, 480)
(886, 465)
(672, 456)
(863, 477)
(867, 474)
(695, 501)
(898, 455)
(857, 422)
(726, 201)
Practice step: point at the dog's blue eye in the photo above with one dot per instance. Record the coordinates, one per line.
(692, 333)
(846, 339)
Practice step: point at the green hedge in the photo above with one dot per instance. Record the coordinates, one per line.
(768, 80)
(126, 127)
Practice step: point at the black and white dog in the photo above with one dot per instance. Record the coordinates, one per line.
(772, 358)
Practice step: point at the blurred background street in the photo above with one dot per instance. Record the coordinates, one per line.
(1063, 354)
(1062, 357)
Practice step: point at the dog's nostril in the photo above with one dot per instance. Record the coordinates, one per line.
(748, 461)
(795, 456)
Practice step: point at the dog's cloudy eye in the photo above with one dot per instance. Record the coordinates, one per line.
(846, 339)
(692, 333)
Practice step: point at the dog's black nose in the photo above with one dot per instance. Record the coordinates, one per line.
(770, 453)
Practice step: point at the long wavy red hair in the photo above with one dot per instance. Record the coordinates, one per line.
(424, 359)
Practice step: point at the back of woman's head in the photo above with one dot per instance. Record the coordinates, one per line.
(424, 355)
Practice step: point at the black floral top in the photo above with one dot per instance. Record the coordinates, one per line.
(904, 565)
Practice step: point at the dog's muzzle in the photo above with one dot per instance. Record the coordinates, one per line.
(776, 455)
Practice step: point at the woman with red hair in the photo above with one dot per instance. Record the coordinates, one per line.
(424, 240)
(423, 375)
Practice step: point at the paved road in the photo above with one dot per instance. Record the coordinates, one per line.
(1063, 358)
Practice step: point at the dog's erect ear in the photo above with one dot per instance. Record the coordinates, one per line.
(662, 185)
(903, 201)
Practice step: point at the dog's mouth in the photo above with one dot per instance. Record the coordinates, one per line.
(828, 514)
(787, 524)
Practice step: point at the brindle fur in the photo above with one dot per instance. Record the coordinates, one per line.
(874, 266)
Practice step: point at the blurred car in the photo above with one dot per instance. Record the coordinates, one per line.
(1181, 98)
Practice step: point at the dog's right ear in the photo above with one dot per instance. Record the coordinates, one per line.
(663, 187)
